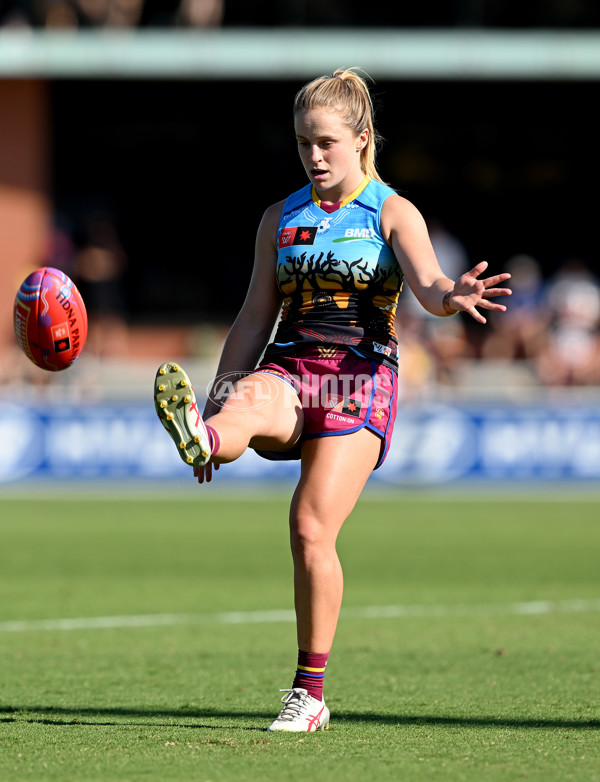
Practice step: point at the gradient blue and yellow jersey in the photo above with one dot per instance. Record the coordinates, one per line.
(339, 279)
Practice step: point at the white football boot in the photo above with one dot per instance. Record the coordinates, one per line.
(301, 713)
(178, 411)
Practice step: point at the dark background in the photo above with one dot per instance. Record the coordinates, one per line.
(187, 169)
(545, 14)
(426, 13)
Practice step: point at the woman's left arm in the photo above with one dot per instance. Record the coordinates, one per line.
(405, 231)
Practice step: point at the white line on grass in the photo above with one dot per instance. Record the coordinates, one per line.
(537, 607)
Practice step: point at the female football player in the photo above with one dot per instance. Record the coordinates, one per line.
(329, 261)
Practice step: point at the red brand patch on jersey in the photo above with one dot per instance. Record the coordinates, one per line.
(297, 234)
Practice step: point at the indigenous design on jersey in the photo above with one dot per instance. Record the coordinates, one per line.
(339, 279)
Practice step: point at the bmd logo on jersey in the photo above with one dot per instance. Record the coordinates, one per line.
(359, 233)
(356, 235)
(297, 234)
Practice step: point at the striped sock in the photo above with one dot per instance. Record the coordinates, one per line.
(215, 442)
(310, 673)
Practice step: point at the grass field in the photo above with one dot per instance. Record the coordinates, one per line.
(147, 639)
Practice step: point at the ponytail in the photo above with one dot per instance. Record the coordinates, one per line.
(346, 92)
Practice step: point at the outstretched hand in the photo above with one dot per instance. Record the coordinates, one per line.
(470, 292)
(205, 473)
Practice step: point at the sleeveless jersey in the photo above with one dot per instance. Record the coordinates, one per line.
(339, 279)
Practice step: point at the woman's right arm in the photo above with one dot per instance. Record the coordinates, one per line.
(253, 326)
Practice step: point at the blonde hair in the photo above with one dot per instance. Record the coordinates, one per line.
(346, 92)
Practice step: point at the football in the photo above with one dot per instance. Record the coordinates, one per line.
(50, 319)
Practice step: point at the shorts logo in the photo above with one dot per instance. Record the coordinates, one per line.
(342, 404)
(351, 407)
(60, 337)
(340, 418)
(297, 234)
(332, 401)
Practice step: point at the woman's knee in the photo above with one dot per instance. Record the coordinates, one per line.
(309, 532)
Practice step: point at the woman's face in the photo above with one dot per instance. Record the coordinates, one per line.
(330, 152)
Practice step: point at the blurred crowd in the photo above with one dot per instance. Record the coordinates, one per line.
(549, 336)
(311, 13)
(86, 14)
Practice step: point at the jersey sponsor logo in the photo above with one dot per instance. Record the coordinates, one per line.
(297, 234)
(356, 235)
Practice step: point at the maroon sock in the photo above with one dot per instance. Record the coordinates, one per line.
(215, 442)
(311, 672)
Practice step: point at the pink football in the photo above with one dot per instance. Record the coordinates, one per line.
(50, 319)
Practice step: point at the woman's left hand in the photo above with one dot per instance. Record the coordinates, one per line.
(204, 474)
(470, 292)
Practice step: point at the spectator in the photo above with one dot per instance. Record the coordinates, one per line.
(571, 355)
(522, 335)
(434, 352)
(452, 258)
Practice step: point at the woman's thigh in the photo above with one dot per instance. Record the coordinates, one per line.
(334, 472)
(267, 408)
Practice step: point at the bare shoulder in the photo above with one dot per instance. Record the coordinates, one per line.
(271, 217)
(275, 209)
(398, 212)
(266, 236)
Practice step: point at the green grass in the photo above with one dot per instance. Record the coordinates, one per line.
(468, 689)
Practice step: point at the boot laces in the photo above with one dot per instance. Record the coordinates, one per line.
(295, 701)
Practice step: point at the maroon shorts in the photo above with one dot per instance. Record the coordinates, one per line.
(340, 393)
